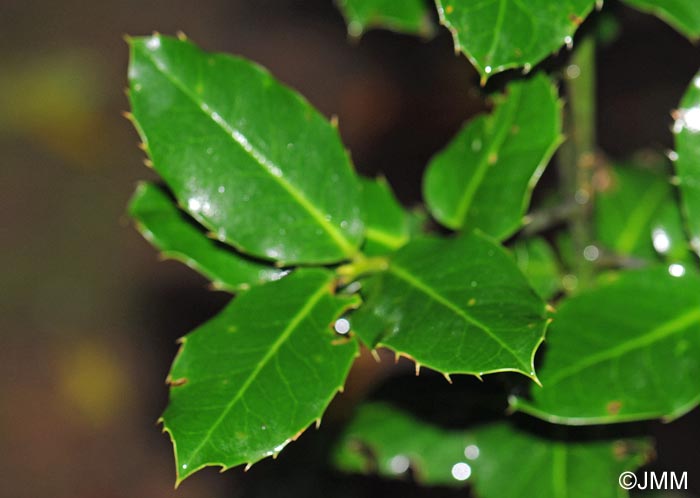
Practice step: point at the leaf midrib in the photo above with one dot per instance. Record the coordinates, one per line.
(498, 138)
(266, 164)
(659, 333)
(274, 348)
(406, 276)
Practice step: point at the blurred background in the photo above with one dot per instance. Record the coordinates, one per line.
(88, 318)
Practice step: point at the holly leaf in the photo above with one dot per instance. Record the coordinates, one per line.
(253, 378)
(682, 15)
(485, 176)
(384, 440)
(539, 264)
(178, 237)
(387, 225)
(406, 16)
(247, 157)
(628, 350)
(457, 306)
(637, 215)
(496, 35)
(687, 163)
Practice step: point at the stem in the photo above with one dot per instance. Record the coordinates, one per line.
(544, 219)
(577, 156)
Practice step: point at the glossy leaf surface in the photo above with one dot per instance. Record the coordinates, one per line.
(457, 306)
(168, 229)
(628, 350)
(406, 16)
(484, 177)
(637, 215)
(244, 155)
(496, 35)
(683, 15)
(387, 225)
(255, 376)
(687, 130)
(537, 261)
(499, 460)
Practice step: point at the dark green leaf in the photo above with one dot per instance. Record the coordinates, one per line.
(683, 15)
(637, 215)
(537, 261)
(245, 156)
(499, 460)
(687, 130)
(405, 16)
(169, 230)
(254, 377)
(628, 350)
(387, 224)
(484, 177)
(457, 306)
(499, 34)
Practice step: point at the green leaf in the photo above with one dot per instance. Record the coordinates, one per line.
(499, 460)
(628, 350)
(687, 164)
(255, 376)
(406, 16)
(244, 155)
(683, 15)
(387, 224)
(169, 230)
(485, 176)
(637, 215)
(496, 35)
(537, 261)
(457, 306)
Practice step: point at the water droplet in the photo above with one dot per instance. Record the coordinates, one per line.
(184, 465)
(210, 151)
(488, 69)
(661, 240)
(581, 196)
(473, 283)
(263, 427)
(676, 270)
(399, 464)
(137, 87)
(461, 471)
(153, 42)
(569, 42)
(591, 253)
(344, 224)
(527, 67)
(290, 146)
(342, 326)
(696, 82)
(569, 282)
(194, 204)
(471, 452)
(476, 145)
(221, 234)
(688, 119)
(573, 71)
(221, 189)
(672, 155)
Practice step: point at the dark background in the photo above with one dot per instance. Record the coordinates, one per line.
(88, 318)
